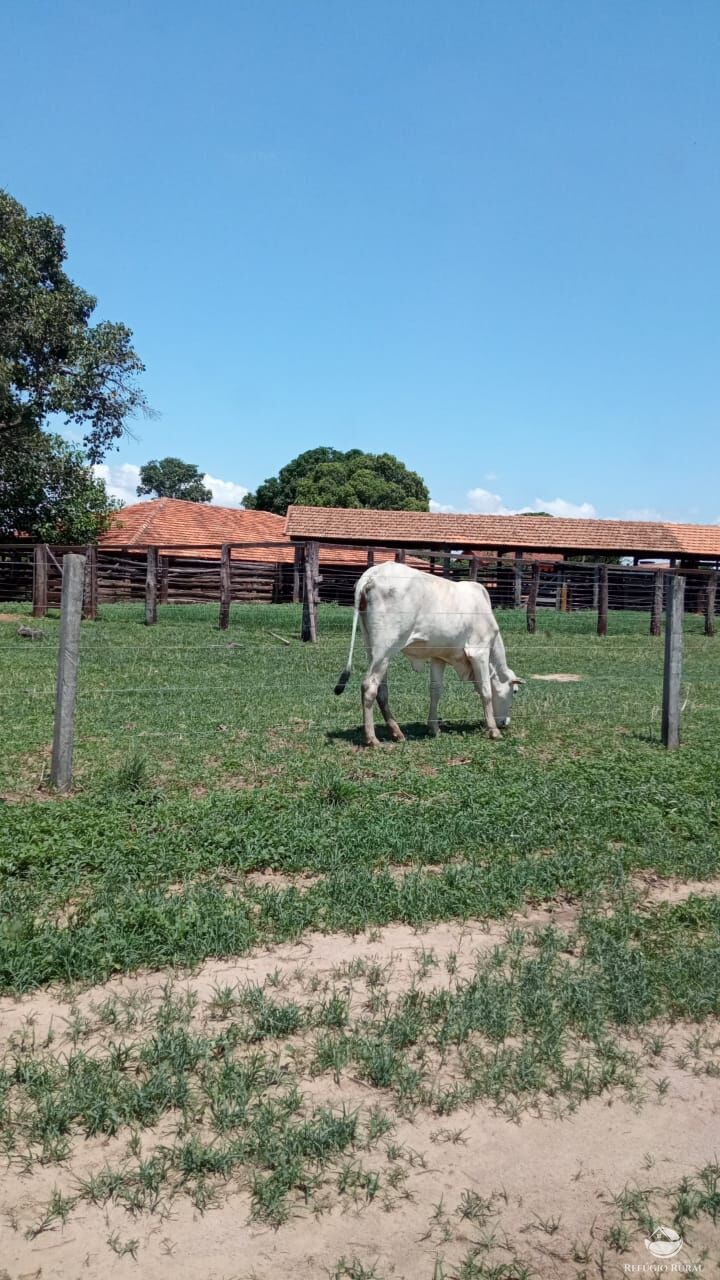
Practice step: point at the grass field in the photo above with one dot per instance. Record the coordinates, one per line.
(223, 804)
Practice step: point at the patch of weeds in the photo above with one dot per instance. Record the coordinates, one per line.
(133, 774)
(123, 1247)
(57, 1213)
(353, 1269)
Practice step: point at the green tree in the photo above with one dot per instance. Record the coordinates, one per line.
(173, 478)
(327, 477)
(54, 363)
(48, 490)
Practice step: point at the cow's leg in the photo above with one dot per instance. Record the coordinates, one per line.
(370, 690)
(396, 732)
(437, 675)
(480, 662)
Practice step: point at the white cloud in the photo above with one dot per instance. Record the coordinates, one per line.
(561, 507)
(486, 503)
(122, 479)
(225, 493)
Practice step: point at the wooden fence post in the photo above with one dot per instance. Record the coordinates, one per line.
(312, 579)
(151, 588)
(370, 557)
(297, 566)
(518, 581)
(473, 575)
(446, 566)
(532, 597)
(225, 587)
(400, 555)
(602, 620)
(40, 580)
(710, 596)
(90, 586)
(73, 581)
(164, 593)
(672, 674)
(596, 587)
(657, 604)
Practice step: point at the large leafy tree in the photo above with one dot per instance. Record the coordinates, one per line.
(48, 491)
(172, 478)
(327, 477)
(55, 364)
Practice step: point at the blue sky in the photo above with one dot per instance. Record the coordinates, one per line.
(482, 236)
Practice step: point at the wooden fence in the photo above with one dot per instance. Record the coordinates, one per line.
(320, 572)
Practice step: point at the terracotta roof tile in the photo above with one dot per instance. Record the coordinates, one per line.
(196, 530)
(539, 533)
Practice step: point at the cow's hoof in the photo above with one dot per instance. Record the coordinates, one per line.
(397, 735)
(433, 729)
(372, 742)
(496, 735)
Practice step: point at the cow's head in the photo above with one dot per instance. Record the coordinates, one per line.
(503, 692)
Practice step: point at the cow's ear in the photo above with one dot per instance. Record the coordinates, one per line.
(517, 681)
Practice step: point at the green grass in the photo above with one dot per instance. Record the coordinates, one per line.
(203, 755)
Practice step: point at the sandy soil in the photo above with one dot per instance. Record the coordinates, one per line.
(560, 677)
(550, 1180)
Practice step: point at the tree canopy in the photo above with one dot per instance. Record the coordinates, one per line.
(55, 364)
(326, 477)
(48, 490)
(173, 478)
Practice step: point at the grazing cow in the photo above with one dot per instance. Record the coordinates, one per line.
(435, 620)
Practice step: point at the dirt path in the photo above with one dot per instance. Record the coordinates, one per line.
(534, 1193)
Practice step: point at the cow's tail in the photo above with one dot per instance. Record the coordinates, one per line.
(360, 605)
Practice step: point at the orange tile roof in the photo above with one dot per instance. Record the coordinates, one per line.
(196, 530)
(538, 533)
(176, 524)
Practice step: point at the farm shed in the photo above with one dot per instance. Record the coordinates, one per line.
(501, 550)
(188, 537)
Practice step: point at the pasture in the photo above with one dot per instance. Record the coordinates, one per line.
(453, 1001)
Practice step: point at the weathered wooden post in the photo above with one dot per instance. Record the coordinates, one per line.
(40, 580)
(657, 604)
(73, 581)
(518, 580)
(596, 587)
(710, 597)
(90, 586)
(532, 597)
(602, 620)
(446, 565)
(164, 592)
(400, 555)
(297, 569)
(672, 675)
(370, 557)
(225, 587)
(473, 568)
(151, 588)
(310, 598)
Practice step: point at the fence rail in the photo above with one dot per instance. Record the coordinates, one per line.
(272, 572)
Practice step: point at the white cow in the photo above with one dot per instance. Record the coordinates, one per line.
(435, 620)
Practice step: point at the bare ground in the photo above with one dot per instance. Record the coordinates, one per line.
(547, 1181)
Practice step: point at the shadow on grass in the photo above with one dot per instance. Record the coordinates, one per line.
(415, 731)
